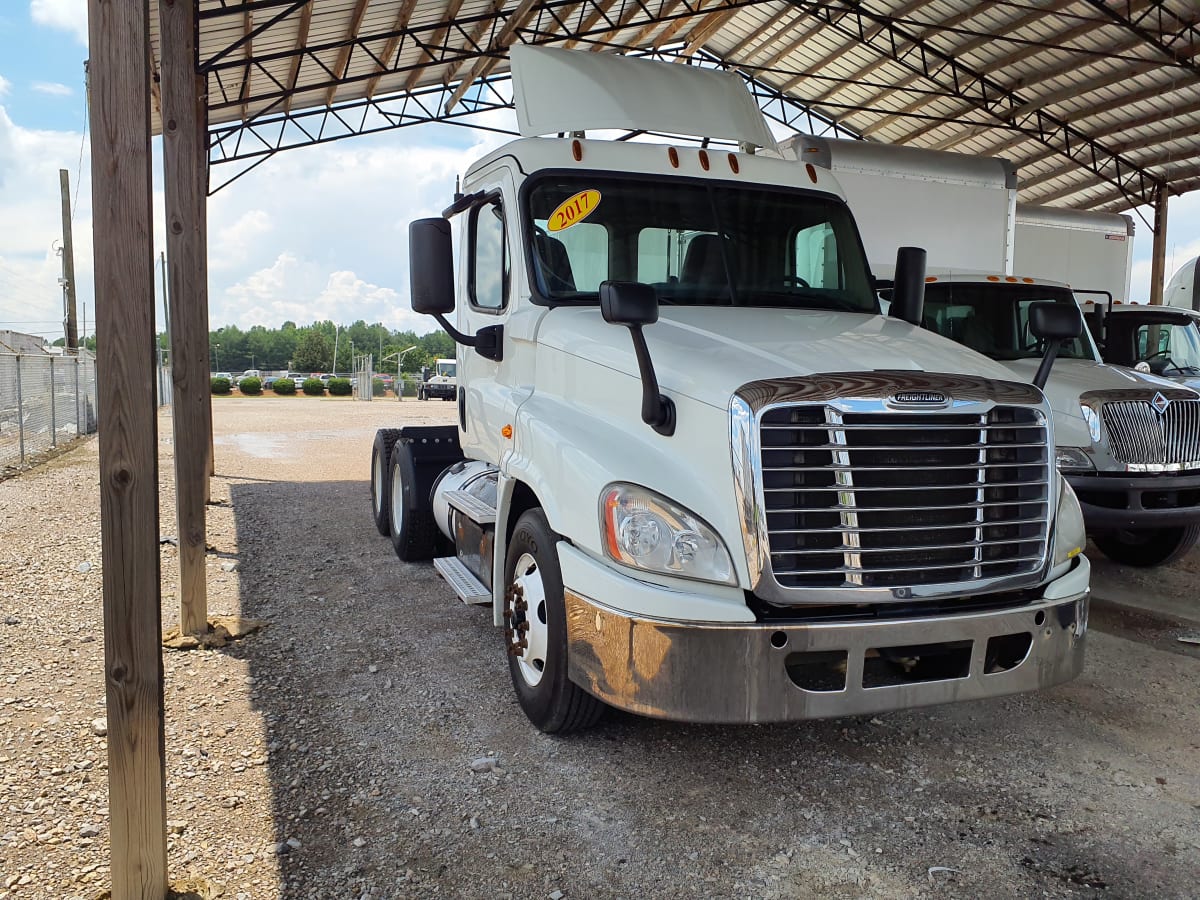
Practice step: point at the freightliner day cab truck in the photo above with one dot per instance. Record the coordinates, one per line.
(442, 384)
(1128, 443)
(696, 475)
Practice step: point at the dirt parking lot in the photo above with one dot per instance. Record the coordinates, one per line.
(330, 755)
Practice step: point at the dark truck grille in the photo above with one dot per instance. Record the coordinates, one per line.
(903, 499)
(1138, 435)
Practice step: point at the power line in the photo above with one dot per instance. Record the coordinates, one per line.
(82, 140)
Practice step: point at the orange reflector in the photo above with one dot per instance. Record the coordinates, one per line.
(507, 431)
(610, 523)
(673, 156)
(733, 163)
(993, 278)
(577, 150)
(812, 172)
(931, 278)
(704, 160)
(1027, 280)
(1011, 279)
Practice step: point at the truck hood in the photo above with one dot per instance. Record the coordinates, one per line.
(706, 353)
(1072, 377)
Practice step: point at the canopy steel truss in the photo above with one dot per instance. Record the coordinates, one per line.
(884, 36)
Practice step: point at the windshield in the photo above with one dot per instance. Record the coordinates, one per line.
(446, 369)
(1168, 348)
(993, 318)
(696, 243)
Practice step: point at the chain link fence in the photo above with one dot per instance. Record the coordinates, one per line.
(45, 400)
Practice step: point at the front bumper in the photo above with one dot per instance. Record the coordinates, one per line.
(1137, 501)
(733, 672)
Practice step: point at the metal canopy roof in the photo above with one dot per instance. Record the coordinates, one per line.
(1096, 101)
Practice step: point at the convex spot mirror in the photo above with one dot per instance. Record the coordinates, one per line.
(431, 266)
(628, 303)
(1050, 321)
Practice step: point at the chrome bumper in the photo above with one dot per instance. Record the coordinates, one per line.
(711, 672)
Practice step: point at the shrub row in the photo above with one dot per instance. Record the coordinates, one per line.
(284, 386)
(340, 387)
(252, 387)
(221, 385)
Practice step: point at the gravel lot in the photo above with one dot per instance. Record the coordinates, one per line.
(331, 754)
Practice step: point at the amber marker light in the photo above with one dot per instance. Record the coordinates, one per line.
(993, 278)
(930, 279)
(610, 522)
(507, 432)
(733, 163)
(704, 160)
(673, 156)
(812, 172)
(577, 150)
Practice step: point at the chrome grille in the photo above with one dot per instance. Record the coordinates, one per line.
(1139, 436)
(888, 499)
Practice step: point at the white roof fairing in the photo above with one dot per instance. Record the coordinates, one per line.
(1095, 102)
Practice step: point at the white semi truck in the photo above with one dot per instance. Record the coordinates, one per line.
(1124, 438)
(696, 474)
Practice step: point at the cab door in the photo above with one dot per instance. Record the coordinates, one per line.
(491, 273)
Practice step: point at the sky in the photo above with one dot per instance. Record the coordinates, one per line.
(314, 233)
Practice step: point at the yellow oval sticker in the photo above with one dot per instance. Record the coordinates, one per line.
(573, 210)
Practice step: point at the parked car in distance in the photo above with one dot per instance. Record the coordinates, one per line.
(297, 379)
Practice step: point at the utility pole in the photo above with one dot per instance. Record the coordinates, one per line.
(68, 260)
(337, 330)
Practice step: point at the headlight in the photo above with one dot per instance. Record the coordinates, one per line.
(1093, 422)
(648, 531)
(1070, 535)
(1072, 458)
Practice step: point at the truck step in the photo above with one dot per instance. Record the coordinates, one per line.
(472, 507)
(470, 589)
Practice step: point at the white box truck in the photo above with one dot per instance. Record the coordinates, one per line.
(1124, 438)
(696, 474)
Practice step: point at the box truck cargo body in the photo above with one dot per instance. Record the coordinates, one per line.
(1090, 251)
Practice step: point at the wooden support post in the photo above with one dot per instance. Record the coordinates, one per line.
(184, 158)
(123, 242)
(1158, 258)
(68, 251)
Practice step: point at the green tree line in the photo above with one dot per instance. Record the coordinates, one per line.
(309, 348)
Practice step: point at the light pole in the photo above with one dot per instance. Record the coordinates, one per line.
(217, 354)
(337, 330)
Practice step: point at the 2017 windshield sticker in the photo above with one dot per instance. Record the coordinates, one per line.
(573, 210)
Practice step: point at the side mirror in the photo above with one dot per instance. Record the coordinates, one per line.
(431, 266)
(1050, 321)
(633, 305)
(628, 303)
(1053, 323)
(908, 291)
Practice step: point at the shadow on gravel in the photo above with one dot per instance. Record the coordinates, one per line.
(378, 690)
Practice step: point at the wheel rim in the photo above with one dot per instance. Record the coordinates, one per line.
(531, 621)
(377, 482)
(397, 498)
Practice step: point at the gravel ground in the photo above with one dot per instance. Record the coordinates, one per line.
(367, 742)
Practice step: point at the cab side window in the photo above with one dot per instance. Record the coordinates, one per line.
(489, 258)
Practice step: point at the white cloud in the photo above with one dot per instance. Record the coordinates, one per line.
(5, 84)
(1183, 242)
(67, 15)
(51, 88)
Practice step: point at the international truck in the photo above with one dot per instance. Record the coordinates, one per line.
(696, 474)
(1124, 438)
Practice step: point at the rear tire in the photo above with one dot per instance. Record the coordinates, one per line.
(1149, 547)
(411, 524)
(381, 476)
(553, 703)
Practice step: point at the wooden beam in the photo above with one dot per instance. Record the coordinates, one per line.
(392, 46)
(707, 27)
(185, 155)
(123, 245)
(590, 20)
(484, 66)
(248, 54)
(472, 43)
(1158, 256)
(439, 36)
(672, 28)
(301, 41)
(343, 60)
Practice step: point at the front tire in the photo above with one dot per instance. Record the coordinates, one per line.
(381, 477)
(535, 629)
(1149, 547)
(413, 530)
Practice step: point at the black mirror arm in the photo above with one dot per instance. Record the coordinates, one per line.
(465, 339)
(1043, 372)
(658, 410)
